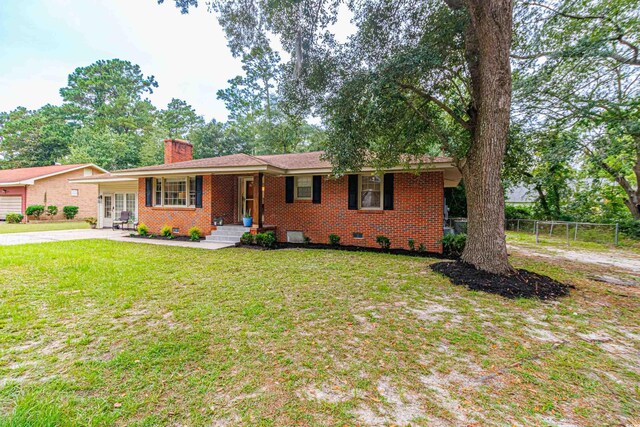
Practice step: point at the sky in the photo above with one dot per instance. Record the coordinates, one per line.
(43, 41)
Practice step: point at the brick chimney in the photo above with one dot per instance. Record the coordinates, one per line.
(177, 150)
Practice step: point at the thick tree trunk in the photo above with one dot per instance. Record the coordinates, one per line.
(488, 43)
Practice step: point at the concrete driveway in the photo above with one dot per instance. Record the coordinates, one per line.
(107, 234)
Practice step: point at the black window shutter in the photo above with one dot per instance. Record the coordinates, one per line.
(388, 191)
(353, 192)
(288, 184)
(317, 188)
(198, 191)
(148, 187)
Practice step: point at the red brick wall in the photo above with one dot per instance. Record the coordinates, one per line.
(58, 193)
(176, 150)
(417, 213)
(183, 218)
(224, 202)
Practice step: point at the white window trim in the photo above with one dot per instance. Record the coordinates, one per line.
(381, 194)
(295, 188)
(162, 192)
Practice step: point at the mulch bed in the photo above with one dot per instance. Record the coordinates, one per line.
(352, 249)
(522, 284)
(173, 239)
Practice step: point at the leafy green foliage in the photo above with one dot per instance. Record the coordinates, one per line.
(179, 119)
(165, 231)
(34, 211)
(195, 234)
(14, 218)
(334, 239)
(629, 227)
(412, 244)
(266, 239)
(143, 230)
(517, 212)
(384, 242)
(247, 239)
(52, 210)
(453, 244)
(70, 212)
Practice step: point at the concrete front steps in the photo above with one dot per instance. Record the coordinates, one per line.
(227, 234)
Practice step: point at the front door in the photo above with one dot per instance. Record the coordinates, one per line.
(107, 210)
(246, 196)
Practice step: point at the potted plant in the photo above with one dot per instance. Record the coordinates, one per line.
(93, 222)
(247, 220)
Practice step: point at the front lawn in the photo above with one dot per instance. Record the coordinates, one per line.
(111, 333)
(6, 228)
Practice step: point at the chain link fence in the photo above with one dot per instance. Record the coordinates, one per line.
(566, 231)
(553, 231)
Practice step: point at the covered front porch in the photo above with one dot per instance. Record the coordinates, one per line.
(235, 197)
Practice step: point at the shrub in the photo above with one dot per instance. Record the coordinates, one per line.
(143, 230)
(412, 245)
(384, 242)
(70, 212)
(14, 218)
(165, 231)
(517, 212)
(334, 239)
(91, 220)
(422, 248)
(52, 210)
(195, 234)
(266, 239)
(306, 240)
(629, 227)
(247, 239)
(453, 244)
(34, 211)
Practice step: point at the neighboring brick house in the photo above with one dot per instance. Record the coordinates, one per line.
(295, 195)
(48, 185)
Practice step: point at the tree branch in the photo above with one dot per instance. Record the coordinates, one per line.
(465, 124)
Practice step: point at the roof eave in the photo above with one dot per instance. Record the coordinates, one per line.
(204, 170)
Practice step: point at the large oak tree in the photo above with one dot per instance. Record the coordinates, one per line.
(416, 77)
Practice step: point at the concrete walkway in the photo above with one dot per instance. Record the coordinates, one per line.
(106, 234)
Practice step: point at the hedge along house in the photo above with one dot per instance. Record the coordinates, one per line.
(295, 195)
(47, 186)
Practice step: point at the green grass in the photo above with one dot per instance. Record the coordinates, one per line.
(111, 333)
(6, 228)
(529, 239)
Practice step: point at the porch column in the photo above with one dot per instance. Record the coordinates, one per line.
(257, 200)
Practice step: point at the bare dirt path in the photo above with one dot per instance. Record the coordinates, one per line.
(625, 261)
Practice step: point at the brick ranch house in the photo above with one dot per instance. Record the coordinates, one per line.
(294, 195)
(48, 185)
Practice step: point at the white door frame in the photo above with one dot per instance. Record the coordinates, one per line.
(242, 197)
(106, 222)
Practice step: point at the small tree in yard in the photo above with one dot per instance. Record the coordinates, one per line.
(70, 212)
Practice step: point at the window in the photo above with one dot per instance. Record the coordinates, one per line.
(158, 192)
(74, 192)
(88, 171)
(304, 187)
(131, 203)
(370, 192)
(119, 203)
(175, 191)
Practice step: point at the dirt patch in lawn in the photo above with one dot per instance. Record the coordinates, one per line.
(523, 284)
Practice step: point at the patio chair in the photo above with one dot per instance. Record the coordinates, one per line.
(124, 218)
